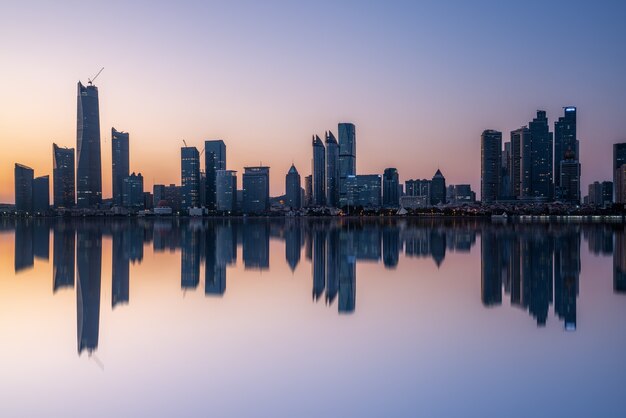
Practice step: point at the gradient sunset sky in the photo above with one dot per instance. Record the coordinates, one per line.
(420, 79)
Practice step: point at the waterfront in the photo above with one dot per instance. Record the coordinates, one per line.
(334, 317)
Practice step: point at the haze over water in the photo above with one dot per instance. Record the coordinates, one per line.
(286, 317)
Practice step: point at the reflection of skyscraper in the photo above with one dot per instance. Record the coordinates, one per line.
(619, 263)
(293, 239)
(391, 246)
(89, 263)
(347, 272)
(214, 272)
(63, 177)
(89, 165)
(120, 269)
(537, 269)
(490, 269)
(64, 256)
(120, 162)
(256, 245)
(566, 276)
(190, 257)
(332, 265)
(319, 263)
(41, 239)
(24, 251)
(438, 246)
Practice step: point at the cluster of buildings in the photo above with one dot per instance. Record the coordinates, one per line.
(537, 165)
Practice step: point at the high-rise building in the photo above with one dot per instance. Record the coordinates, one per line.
(391, 197)
(89, 165)
(256, 190)
(190, 177)
(308, 191)
(419, 188)
(505, 170)
(539, 158)
(565, 144)
(367, 192)
(23, 188)
(120, 162)
(132, 191)
(569, 169)
(319, 172)
(519, 169)
(292, 188)
(491, 165)
(63, 176)
(347, 158)
(226, 190)
(619, 159)
(438, 189)
(214, 160)
(41, 194)
(332, 170)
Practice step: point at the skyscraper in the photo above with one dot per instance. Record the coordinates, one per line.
(120, 159)
(491, 165)
(24, 188)
(132, 191)
(519, 173)
(214, 160)
(569, 168)
(438, 189)
(619, 159)
(41, 194)
(565, 144)
(391, 181)
(190, 177)
(308, 190)
(256, 190)
(89, 166)
(347, 158)
(332, 170)
(319, 172)
(540, 156)
(292, 188)
(63, 176)
(226, 190)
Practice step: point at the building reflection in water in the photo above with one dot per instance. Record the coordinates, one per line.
(535, 266)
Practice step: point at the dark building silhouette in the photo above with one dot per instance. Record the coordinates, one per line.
(63, 177)
(89, 164)
(332, 170)
(226, 190)
(132, 191)
(491, 165)
(88, 284)
(190, 177)
(64, 256)
(120, 163)
(347, 159)
(391, 183)
(41, 194)
(308, 190)
(519, 168)
(438, 189)
(319, 172)
(619, 173)
(23, 188)
(566, 151)
(256, 190)
(214, 160)
(293, 188)
(537, 157)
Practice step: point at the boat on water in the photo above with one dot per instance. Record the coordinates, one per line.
(502, 217)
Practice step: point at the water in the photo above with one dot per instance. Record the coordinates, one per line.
(311, 318)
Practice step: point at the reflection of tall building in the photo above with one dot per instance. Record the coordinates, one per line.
(120, 269)
(332, 265)
(438, 246)
(190, 258)
(214, 272)
(319, 263)
(391, 246)
(537, 268)
(41, 239)
(347, 272)
(64, 256)
(293, 240)
(256, 245)
(490, 269)
(619, 263)
(566, 276)
(24, 247)
(89, 264)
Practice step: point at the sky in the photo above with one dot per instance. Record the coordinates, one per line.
(420, 80)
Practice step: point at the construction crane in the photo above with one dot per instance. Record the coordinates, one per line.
(184, 142)
(91, 80)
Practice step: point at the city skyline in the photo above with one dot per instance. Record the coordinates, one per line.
(407, 110)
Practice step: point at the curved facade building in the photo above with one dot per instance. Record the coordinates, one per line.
(89, 165)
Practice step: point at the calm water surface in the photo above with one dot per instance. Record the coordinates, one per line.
(311, 318)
